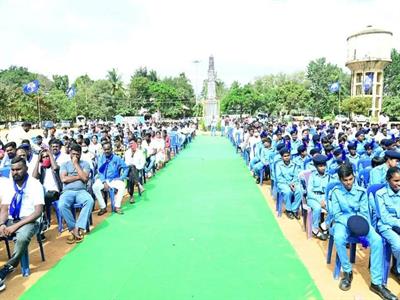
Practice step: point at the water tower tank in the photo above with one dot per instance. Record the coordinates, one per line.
(371, 44)
(368, 53)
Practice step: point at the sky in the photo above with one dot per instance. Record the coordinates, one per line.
(247, 38)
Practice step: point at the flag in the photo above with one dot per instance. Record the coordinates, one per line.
(71, 92)
(32, 87)
(334, 88)
(368, 81)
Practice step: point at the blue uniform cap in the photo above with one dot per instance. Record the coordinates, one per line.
(284, 150)
(320, 159)
(352, 145)
(314, 151)
(358, 226)
(301, 148)
(392, 154)
(387, 142)
(360, 132)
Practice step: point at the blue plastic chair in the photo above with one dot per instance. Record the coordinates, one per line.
(304, 176)
(371, 192)
(363, 177)
(5, 172)
(73, 210)
(364, 163)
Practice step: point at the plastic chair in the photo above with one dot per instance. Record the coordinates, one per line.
(371, 192)
(5, 172)
(304, 176)
(363, 177)
(364, 163)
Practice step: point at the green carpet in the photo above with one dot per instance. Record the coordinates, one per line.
(202, 230)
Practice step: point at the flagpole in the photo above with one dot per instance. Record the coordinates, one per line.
(38, 104)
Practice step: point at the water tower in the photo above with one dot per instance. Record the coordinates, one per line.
(368, 53)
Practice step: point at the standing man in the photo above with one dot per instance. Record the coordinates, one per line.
(21, 207)
(112, 173)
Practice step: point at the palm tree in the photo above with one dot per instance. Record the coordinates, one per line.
(115, 80)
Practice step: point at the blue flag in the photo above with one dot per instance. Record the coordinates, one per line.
(71, 92)
(334, 88)
(368, 81)
(32, 87)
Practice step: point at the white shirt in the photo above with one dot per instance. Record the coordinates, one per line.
(33, 195)
(138, 160)
(5, 189)
(49, 182)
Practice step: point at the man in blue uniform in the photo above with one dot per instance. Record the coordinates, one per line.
(378, 174)
(287, 176)
(316, 187)
(388, 199)
(349, 200)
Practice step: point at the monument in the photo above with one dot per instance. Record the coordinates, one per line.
(368, 53)
(211, 105)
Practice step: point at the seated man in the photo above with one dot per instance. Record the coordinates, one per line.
(349, 200)
(316, 187)
(135, 160)
(21, 207)
(388, 199)
(47, 172)
(266, 152)
(378, 174)
(75, 174)
(287, 177)
(112, 173)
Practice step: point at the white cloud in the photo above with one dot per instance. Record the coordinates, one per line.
(248, 38)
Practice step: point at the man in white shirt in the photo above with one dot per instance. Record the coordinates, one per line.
(21, 207)
(150, 150)
(135, 160)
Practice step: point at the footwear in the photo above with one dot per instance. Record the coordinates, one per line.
(71, 239)
(131, 200)
(258, 180)
(118, 211)
(289, 214)
(320, 235)
(102, 211)
(42, 237)
(4, 271)
(382, 291)
(141, 189)
(345, 282)
(323, 227)
(296, 215)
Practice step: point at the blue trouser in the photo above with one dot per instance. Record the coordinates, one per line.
(67, 200)
(341, 234)
(253, 162)
(150, 164)
(222, 131)
(23, 237)
(315, 205)
(394, 241)
(287, 196)
(213, 129)
(258, 167)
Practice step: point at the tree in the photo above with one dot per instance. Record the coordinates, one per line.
(61, 82)
(391, 106)
(115, 80)
(392, 75)
(321, 75)
(356, 105)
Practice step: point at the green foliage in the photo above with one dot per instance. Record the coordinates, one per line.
(392, 75)
(357, 105)
(321, 75)
(61, 82)
(391, 107)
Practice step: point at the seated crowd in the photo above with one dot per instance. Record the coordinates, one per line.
(346, 175)
(71, 170)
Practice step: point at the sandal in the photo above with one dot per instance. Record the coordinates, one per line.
(320, 235)
(71, 239)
